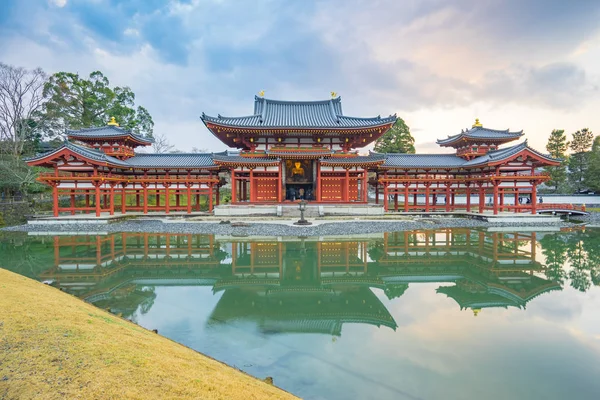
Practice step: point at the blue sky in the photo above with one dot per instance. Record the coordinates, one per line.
(519, 64)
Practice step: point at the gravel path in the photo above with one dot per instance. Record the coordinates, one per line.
(324, 228)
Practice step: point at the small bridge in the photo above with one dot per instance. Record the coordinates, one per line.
(555, 208)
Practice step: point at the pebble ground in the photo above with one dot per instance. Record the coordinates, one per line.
(273, 229)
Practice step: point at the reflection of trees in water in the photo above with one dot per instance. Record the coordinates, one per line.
(574, 255)
(554, 248)
(24, 256)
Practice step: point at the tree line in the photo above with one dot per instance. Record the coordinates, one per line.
(37, 109)
(579, 170)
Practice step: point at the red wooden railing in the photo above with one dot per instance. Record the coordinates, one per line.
(557, 206)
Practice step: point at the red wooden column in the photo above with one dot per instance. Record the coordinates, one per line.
(427, 196)
(468, 194)
(167, 199)
(365, 186)
(533, 197)
(385, 196)
(516, 199)
(501, 199)
(376, 188)
(97, 184)
(112, 199)
(218, 195)
(189, 197)
(87, 200)
(496, 197)
(210, 197)
(233, 183)
(55, 198)
(145, 186)
(347, 186)
(396, 200)
(137, 198)
(72, 203)
(481, 198)
(406, 197)
(447, 197)
(319, 185)
(123, 200)
(280, 185)
(252, 186)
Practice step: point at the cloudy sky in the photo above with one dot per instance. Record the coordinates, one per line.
(518, 64)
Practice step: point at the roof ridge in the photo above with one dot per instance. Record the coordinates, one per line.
(265, 100)
(174, 154)
(483, 128)
(226, 117)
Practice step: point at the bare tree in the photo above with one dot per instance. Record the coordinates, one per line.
(21, 102)
(161, 144)
(197, 150)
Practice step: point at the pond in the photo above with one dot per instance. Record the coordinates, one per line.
(428, 314)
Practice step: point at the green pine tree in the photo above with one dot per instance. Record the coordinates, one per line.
(557, 147)
(579, 160)
(592, 175)
(397, 140)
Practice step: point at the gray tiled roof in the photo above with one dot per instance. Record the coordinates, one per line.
(482, 133)
(107, 132)
(86, 152)
(140, 160)
(453, 161)
(502, 154)
(172, 160)
(423, 160)
(372, 157)
(298, 114)
(247, 160)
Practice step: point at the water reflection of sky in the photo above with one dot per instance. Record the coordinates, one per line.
(548, 349)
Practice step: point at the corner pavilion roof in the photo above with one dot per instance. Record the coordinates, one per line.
(479, 133)
(140, 160)
(394, 160)
(323, 114)
(106, 132)
(85, 152)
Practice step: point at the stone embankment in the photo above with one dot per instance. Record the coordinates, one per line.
(277, 227)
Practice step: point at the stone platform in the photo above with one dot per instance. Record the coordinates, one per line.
(292, 211)
(488, 216)
(106, 218)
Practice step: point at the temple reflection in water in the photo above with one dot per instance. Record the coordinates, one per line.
(300, 284)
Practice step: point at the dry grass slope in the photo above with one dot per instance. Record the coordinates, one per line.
(53, 345)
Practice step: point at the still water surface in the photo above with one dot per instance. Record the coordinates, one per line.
(430, 314)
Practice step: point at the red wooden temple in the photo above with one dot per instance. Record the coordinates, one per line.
(287, 151)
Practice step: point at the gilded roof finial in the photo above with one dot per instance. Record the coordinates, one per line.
(333, 95)
(477, 124)
(113, 122)
(476, 311)
(261, 93)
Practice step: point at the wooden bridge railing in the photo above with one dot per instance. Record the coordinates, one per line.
(557, 206)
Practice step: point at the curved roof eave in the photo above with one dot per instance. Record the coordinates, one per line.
(87, 133)
(380, 123)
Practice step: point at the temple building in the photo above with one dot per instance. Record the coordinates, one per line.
(287, 151)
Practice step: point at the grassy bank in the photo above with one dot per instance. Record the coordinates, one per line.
(53, 345)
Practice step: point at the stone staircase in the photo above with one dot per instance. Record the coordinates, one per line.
(292, 211)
